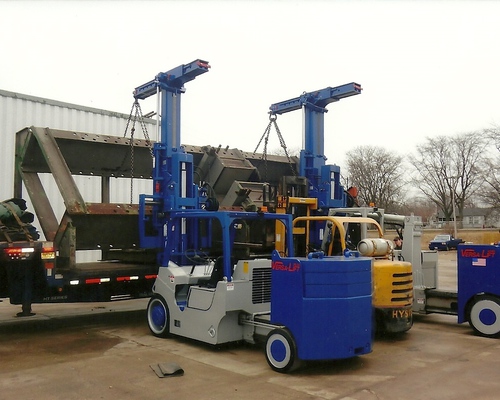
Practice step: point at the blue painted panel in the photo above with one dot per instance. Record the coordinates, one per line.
(326, 304)
(478, 272)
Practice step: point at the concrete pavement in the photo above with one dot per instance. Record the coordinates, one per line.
(104, 351)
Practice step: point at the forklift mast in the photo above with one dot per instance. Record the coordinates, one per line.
(173, 178)
(323, 180)
(177, 218)
(173, 171)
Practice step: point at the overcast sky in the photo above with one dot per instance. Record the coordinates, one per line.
(426, 67)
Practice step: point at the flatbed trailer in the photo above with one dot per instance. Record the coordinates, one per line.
(28, 274)
(52, 270)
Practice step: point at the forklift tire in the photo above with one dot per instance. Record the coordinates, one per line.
(158, 317)
(281, 351)
(484, 316)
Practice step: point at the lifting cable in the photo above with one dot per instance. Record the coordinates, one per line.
(265, 137)
(134, 117)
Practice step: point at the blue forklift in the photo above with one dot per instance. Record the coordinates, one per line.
(220, 277)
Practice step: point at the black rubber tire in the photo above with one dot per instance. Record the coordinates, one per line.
(158, 316)
(281, 351)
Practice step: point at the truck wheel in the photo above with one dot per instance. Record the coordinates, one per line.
(158, 318)
(484, 316)
(281, 351)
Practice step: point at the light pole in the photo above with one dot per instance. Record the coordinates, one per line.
(455, 181)
(454, 217)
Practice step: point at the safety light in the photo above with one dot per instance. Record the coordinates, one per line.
(97, 280)
(19, 253)
(48, 254)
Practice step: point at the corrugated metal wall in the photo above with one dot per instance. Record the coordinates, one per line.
(18, 111)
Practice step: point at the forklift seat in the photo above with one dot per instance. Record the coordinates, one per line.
(217, 272)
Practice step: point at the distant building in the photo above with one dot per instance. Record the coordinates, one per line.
(18, 111)
(472, 218)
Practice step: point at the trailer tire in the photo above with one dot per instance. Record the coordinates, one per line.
(484, 316)
(158, 316)
(281, 351)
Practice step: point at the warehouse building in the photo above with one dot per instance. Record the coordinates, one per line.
(18, 111)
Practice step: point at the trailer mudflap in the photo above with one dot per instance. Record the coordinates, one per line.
(24, 273)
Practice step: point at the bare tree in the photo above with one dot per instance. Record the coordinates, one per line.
(490, 193)
(450, 169)
(493, 136)
(280, 151)
(420, 206)
(470, 148)
(432, 165)
(378, 175)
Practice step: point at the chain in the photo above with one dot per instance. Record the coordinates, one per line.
(265, 137)
(136, 116)
(266, 133)
(144, 127)
(132, 152)
(283, 146)
(129, 119)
